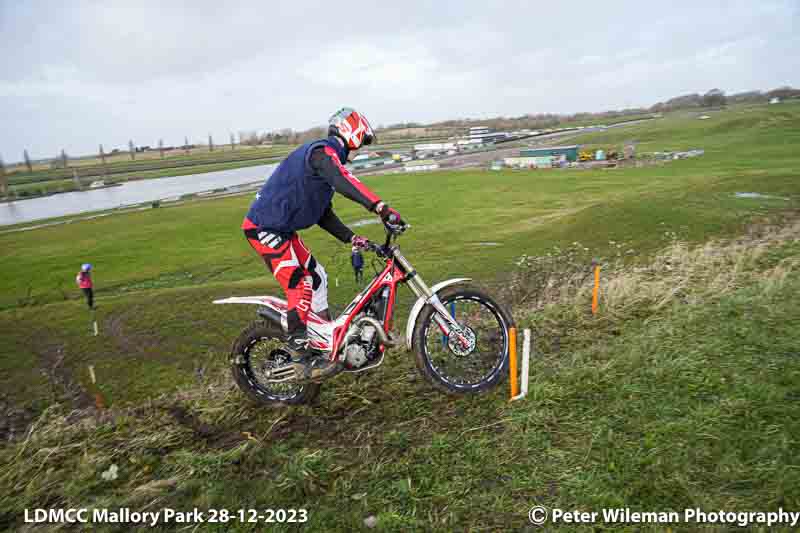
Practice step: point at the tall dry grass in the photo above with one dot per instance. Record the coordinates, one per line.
(695, 274)
(553, 293)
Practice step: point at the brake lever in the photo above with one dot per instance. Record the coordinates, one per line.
(377, 249)
(396, 229)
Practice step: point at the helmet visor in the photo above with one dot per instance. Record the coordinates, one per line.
(369, 134)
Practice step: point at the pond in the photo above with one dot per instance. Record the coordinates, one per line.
(129, 193)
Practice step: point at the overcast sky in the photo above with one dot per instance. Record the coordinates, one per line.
(75, 74)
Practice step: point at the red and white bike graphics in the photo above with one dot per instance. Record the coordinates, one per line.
(459, 334)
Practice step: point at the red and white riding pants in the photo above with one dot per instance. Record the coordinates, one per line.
(303, 279)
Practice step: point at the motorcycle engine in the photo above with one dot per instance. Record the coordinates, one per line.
(359, 346)
(355, 355)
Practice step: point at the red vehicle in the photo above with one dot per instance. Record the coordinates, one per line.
(459, 334)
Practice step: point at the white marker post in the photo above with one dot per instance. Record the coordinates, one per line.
(526, 359)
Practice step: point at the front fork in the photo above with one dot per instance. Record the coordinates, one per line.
(444, 320)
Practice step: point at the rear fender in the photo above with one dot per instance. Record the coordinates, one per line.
(420, 303)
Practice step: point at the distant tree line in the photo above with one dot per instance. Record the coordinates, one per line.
(713, 98)
(286, 136)
(717, 97)
(282, 136)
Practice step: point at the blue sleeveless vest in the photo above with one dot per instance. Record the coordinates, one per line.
(292, 197)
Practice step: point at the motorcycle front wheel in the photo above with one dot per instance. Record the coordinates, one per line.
(474, 361)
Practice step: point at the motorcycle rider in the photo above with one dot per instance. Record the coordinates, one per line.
(297, 196)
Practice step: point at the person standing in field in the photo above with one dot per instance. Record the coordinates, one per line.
(84, 280)
(358, 263)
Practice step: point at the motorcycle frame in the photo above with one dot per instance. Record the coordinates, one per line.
(390, 277)
(330, 336)
(397, 270)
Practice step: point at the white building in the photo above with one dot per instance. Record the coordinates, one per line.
(478, 132)
(434, 147)
(482, 134)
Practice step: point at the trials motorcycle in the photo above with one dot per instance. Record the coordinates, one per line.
(459, 334)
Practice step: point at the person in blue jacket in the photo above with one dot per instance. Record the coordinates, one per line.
(357, 261)
(297, 196)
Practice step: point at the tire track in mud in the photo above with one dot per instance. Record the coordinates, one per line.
(51, 353)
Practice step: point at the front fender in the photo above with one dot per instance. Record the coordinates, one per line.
(420, 303)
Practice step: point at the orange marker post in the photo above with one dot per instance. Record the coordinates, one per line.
(512, 360)
(596, 287)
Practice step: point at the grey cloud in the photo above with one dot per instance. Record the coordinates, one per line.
(75, 74)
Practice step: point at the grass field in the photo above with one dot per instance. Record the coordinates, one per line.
(655, 406)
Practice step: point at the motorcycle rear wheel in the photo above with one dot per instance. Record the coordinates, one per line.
(258, 348)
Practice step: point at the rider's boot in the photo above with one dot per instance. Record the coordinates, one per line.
(307, 365)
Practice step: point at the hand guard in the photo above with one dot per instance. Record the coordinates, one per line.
(389, 215)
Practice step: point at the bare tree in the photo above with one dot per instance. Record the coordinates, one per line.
(186, 144)
(161, 148)
(311, 134)
(233, 142)
(210, 143)
(285, 134)
(64, 158)
(103, 159)
(3, 178)
(784, 93)
(28, 161)
(132, 149)
(76, 179)
(250, 138)
(714, 98)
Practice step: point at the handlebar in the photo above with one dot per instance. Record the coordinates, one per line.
(395, 227)
(392, 231)
(372, 247)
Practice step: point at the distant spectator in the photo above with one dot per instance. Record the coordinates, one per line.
(84, 280)
(358, 264)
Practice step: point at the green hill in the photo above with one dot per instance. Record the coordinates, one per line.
(679, 394)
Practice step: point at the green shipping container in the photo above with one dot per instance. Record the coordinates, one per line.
(571, 152)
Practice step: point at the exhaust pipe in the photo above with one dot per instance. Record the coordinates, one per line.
(273, 316)
(385, 339)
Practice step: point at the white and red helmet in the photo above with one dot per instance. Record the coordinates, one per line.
(352, 127)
